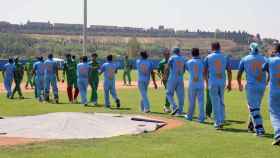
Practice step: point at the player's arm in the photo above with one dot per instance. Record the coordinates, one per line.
(154, 79)
(265, 68)
(239, 75)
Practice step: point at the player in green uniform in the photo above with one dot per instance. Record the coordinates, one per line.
(127, 71)
(163, 75)
(94, 78)
(18, 76)
(70, 71)
(28, 68)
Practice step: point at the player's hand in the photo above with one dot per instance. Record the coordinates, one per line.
(156, 86)
(229, 87)
(241, 87)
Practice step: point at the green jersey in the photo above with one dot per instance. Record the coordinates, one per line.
(70, 69)
(127, 65)
(19, 71)
(29, 66)
(161, 67)
(95, 66)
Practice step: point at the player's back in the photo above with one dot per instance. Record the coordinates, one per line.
(109, 69)
(50, 67)
(39, 68)
(195, 68)
(83, 70)
(176, 65)
(144, 69)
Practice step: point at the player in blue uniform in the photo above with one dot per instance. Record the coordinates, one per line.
(109, 69)
(175, 83)
(273, 67)
(145, 71)
(83, 72)
(50, 78)
(255, 87)
(196, 70)
(8, 75)
(215, 65)
(38, 72)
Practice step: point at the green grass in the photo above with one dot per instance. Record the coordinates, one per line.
(190, 140)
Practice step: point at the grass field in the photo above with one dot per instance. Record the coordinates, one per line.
(189, 141)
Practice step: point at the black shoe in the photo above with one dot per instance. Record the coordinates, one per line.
(220, 127)
(85, 105)
(174, 112)
(276, 142)
(251, 128)
(118, 102)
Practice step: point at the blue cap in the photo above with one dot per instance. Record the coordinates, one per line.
(254, 46)
(176, 50)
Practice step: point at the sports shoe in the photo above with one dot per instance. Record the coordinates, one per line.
(118, 102)
(174, 112)
(276, 142)
(260, 134)
(219, 127)
(188, 118)
(166, 110)
(95, 103)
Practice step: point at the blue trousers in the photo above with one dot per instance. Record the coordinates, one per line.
(8, 86)
(178, 87)
(218, 106)
(196, 94)
(274, 109)
(254, 98)
(50, 81)
(83, 85)
(109, 88)
(143, 88)
(39, 85)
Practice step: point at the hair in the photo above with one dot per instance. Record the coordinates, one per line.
(74, 57)
(144, 54)
(216, 46)
(176, 50)
(11, 60)
(94, 55)
(277, 48)
(50, 56)
(41, 58)
(16, 59)
(110, 57)
(85, 59)
(195, 52)
(68, 56)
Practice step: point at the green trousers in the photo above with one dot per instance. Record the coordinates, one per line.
(208, 104)
(29, 80)
(17, 88)
(126, 74)
(94, 88)
(167, 104)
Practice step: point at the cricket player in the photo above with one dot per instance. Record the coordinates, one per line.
(127, 71)
(145, 71)
(208, 108)
(175, 82)
(83, 72)
(8, 75)
(255, 87)
(163, 75)
(50, 78)
(216, 64)
(195, 67)
(38, 72)
(273, 67)
(28, 68)
(109, 69)
(94, 78)
(70, 71)
(18, 77)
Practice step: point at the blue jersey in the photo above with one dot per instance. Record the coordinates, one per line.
(39, 68)
(9, 70)
(217, 63)
(252, 65)
(109, 70)
(83, 70)
(50, 67)
(195, 67)
(144, 69)
(273, 66)
(176, 66)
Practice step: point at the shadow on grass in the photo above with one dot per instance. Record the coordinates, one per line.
(120, 109)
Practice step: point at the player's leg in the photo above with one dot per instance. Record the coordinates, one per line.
(222, 104)
(129, 77)
(55, 89)
(8, 87)
(180, 91)
(94, 91)
(200, 100)
(170, 94)
(191, 96)
(114, 94)
(145, 105)
(124, 77)
(274, 108)
(107, 94)
(47, 83)
(215, 100)
(167, 104)
(70, 91)
(208, 104)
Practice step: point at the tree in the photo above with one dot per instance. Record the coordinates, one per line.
(133, 47)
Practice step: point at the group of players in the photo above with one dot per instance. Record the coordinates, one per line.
(213, 71)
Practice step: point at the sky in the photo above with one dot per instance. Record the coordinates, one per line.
(254, 16)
